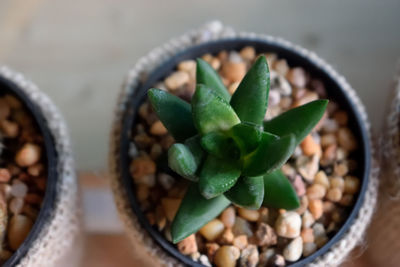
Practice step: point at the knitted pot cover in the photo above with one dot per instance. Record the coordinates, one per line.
(211, 32)
(383, 236)
(59, 241)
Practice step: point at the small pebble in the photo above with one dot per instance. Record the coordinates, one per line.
(226, 256)
(299, 185)
(309, 146)
(307, 235)
(337, 182)
(351, 185)
(28, 155)
(158, 128)
(240, 241)
(188, 245)
(288, 224)
(334, 194)
(316, 208)
(281, 67)
(248, 53)
(278, 260)
(212, 230)
(265, 235)
(341, 169)
(249, 256)
(211, 250)
(177, 80)
(242, 227)
(227, 237)
(9, 128)
(307, 219)
(297, 77)
(346, 139)
(294, 250)
(322, 179)
(249, 215)
(234, 72)
(328, 139)
(316, 191)
(228, 217)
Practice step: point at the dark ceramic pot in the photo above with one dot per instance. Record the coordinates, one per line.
(334, 90)
(8, 87)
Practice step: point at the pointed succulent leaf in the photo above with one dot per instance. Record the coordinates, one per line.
(168, 108)
(279, 192)
(250, 100)
(269, 156)
(299, 121)
(205, 74)
(182, 161)
(247, 136)
(248, 192)
(217, 176)
(211, 112)
(220, 145)
(194, 212)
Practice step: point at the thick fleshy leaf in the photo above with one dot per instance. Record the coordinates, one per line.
(299, 121)
(220, 145)
(279, 192)
(205, 74)
(217, 176)
(248, 192)
(247, 136)
(270, 155)
(174, 113)
(211, 112)
(250, 100)
(182, 161)
(194, 212)
(194, 145)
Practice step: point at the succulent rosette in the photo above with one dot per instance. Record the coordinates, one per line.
(226, 149)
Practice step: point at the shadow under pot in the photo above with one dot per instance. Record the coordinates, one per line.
(330, 169)
(28, 174)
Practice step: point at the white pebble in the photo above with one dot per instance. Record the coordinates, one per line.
(293, 251)
(288, 224)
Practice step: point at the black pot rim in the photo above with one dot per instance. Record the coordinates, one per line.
(10, 87)
(294, 59)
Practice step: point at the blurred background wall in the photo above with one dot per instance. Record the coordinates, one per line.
(78, 51)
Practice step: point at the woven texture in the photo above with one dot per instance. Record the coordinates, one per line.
(59, 241)
(383, 236)
(216, 31)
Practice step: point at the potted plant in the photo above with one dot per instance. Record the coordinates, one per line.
(33, 177)
(161, 139)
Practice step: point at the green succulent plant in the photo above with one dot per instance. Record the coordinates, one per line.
(226, 149)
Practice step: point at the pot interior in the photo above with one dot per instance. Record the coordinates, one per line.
(333, 88)
(8, 87)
